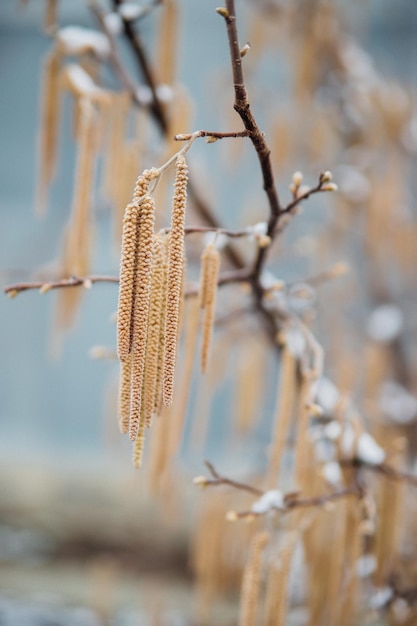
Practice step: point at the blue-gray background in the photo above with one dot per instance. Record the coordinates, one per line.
(54, 409)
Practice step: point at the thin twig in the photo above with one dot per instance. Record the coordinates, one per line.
(72, 281)
(222, 480)
(226, 278)
(144, 66)
(296, 201)
(209, 134)
(291, 500)
(383, 468)
(219, 231)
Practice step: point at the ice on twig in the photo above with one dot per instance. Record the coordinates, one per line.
(113, 23)
(369, 451)
(366, 565)
(273, 499)
(130, 11)
(332, 473)
(385, 323)
(381, 598)
(327, 395)
(76, 40)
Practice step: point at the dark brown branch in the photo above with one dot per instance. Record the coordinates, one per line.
(159, 116)
(144, 67)
(383, 468)
(291, 500)
(242, 107)
(296, 201)
(114, 58)
(222, 480)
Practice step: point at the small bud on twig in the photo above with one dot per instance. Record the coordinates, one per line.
(223, 12)
(297, 178)
(245, 49)
(329, 187)
(211, 139)
(325, 177)
(45, 288)
(302, 191)
(200, 481)
(264, 241)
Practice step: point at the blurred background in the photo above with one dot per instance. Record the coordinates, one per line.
(82, 539)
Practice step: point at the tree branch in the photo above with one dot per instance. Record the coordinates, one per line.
(226, 278)
(209, 134)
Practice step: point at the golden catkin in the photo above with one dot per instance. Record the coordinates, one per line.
(128, 266)
(142, 183)
(48, 140)
(250, 379)
(210, 261)
(141, 308)
(191, 325)
(152, 344)
(302, 468)
(167, 42)
(112, 166)
(276, 599)
(158, 453)
(50, 16)
(139, 444)
(127, 279)
(124, 394)
(161, 342)
(283, 412)
(252, 580)
(175, 277)
(79, 236)
(336, 564)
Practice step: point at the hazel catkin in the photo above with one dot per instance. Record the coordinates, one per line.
(175, 276)
(141, 308)
(210, 263)
(152, 344)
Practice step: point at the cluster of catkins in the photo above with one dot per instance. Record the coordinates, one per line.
(150, 300)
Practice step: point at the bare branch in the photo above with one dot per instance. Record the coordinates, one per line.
(383, 468)
(210, 134)
(232, 276)
(222, 480)
(72, 281)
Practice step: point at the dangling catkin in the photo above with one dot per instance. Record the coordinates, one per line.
(210, 263)
(50, 16)
(152, 344)
(191, 325)
(276, 600)
(80, 228)
(141, 308)
(175, 274)
(161, 341)
(49, 127)
(252, 579)
(127, 279)
(139, 444)
(167, 40)
(128, 264)
(124, 394)
(283, 412)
